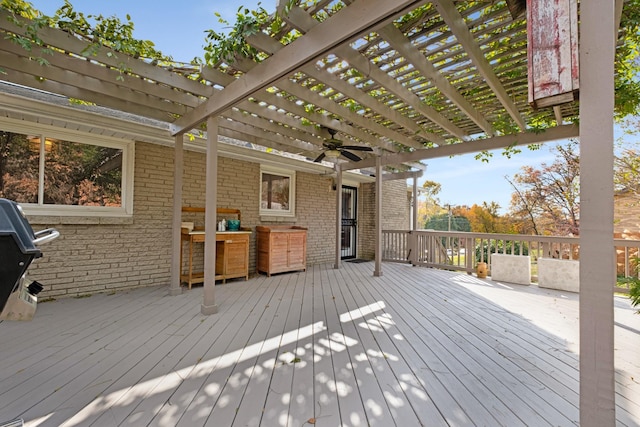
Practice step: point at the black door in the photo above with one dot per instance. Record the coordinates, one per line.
(349, 222)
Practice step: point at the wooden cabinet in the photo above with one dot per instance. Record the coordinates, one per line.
(281, 248)
(232, 255)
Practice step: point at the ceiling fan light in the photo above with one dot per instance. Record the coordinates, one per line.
(332, 154)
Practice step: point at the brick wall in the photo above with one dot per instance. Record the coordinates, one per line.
(110, 254)
(396, 212)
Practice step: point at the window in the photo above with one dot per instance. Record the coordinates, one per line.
(62, 173)
(277, 192)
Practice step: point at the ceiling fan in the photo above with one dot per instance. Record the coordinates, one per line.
(335, 149)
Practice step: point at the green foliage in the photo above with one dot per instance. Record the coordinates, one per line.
(96, 29)
(634, 293)
(484, 250)
(441, 222)
(511, 150)
(225, 47)
(627, 64)
(634, 289)
(484, 156)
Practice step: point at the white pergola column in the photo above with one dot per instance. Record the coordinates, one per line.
(209, 305)
(414, 211)
(378, 257)
(597, 265)
(176, 242)
(338, 216)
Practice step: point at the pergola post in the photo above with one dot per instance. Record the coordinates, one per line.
(338, 216)
(178, 168)
(378, 256)
(209, 305)
(414, 211)
(597, 266)
(412, 240)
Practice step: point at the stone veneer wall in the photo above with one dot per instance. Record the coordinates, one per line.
(110, 254)
(396, 212)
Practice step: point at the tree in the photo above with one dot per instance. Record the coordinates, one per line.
(485, 218)
(548, 198)
(428, 208)
(447, 222)
(18, 168)
(626, 174)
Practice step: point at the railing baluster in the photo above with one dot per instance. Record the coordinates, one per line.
(432, 248)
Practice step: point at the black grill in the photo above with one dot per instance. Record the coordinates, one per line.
(18, 249)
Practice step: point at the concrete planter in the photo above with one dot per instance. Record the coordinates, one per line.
(511, 268)
(561, 274)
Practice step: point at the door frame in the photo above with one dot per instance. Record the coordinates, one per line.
(349, 226)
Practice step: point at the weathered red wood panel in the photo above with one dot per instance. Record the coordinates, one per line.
(552, 27)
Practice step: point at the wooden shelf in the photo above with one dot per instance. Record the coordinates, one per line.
(232, 250)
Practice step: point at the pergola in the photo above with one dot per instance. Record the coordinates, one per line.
(413, 79)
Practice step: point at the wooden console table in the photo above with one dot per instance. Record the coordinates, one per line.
(232, 255)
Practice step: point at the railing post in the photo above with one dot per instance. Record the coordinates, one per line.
(546, 250)
(412, 246)
(469, 253)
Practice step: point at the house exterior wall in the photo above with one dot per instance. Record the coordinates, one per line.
(396, 210)
(111, 254)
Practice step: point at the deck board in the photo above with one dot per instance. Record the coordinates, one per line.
(416, 346)
(302, 396)
(493, 364)
(362, 310)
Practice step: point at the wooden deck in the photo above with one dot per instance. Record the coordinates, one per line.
(332, 347)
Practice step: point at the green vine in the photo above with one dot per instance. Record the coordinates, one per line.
(97, 30)
(226, 47)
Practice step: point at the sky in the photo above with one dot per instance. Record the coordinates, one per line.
(178, 30)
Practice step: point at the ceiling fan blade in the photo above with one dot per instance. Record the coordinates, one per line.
(350, 156)
(357, 147)
(319, 158)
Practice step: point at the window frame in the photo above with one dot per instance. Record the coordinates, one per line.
(291, 212)
(42, 209)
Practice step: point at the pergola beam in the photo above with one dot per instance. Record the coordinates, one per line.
(270, 126)
(402, 175)
(305, 23)
(403, 46)
(70, 44)
(270, 46)
(72, 91)
(336, 30)
(312, 97)
(293, 112)
(324, 120)
(311, 134)
(107, 80)
(269, 139)
(497, 142)
(90, 85)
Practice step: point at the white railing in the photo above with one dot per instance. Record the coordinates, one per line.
(463, 251)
